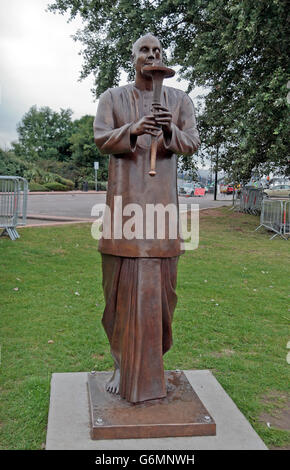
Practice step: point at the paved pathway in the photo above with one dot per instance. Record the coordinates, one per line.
(79, 205)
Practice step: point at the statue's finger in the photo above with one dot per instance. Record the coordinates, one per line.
(161, 108)
(152, 128)
(162, 114)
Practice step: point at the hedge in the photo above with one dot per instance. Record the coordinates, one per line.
(36, 187)
(56, 187)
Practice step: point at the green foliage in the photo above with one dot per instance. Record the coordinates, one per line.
(91, 185)
(36, 187)
(66, 182)
(44, 134)
(56, 187)
(10, 165)
(39, 176)
(237, 49)
(57, 149)
(102, 185)
(84, 150)
(53, 148)
(68, 170)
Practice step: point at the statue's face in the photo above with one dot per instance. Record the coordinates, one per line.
(147, 51)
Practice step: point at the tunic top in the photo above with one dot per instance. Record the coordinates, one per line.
(129, 168)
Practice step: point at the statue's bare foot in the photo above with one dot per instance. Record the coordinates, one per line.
(113, 385)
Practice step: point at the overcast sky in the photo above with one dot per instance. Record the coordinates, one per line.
(40, 65)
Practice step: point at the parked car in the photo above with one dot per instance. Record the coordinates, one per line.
(230, 189)
(180, 190)
(187, 189)
(227, 188)
(280, 190)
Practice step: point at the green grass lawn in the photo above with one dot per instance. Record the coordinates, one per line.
(232, 317)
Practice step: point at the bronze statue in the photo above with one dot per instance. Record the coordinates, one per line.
(139, 274)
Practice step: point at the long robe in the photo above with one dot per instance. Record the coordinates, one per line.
(139, 274)
(140, 301)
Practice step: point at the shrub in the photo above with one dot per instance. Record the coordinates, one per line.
(10, 165)
(36, 187)
(102, 185)
(40, 176)
(66, 182)
(56, 187)
(92, 185)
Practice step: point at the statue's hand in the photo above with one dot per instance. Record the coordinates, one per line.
(145, 125)
(163, 118)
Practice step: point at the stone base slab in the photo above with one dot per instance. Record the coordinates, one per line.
(69, 424)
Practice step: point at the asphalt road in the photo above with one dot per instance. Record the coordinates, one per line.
(80, 205)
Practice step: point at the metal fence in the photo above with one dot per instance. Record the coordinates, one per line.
(13, 204)
(275, 216)
(251, 200)
(286, 218)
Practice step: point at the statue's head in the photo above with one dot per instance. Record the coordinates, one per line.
(145, 51)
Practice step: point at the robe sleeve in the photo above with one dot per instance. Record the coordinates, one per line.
(108, 138)
(184, 138)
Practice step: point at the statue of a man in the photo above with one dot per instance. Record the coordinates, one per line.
(139, 274)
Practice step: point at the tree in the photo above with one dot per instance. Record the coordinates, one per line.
(44, 134)
(53, 148)
(84, 150)
(236, 48)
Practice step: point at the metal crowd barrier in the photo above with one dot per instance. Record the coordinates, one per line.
(286, 216)
(275, 216)
(251, 200)
(13, 204)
